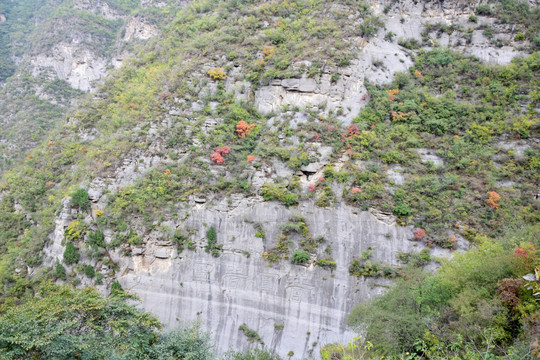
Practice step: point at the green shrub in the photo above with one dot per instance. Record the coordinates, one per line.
(488, 32)
(297, 224)
(484, 10)
(519, 37)
(328, 263)
(251, 334)
(71, 254)
(212, 246)
(182, 241)
(370, 269)
(188, 343)
(402, 210)
(300, 257)
(75, 231)
(96, 238)
(80, 199)
(99, 279)
(116, 288)
(89, 271)
(410, 43)
(60, 271)
(271, 191)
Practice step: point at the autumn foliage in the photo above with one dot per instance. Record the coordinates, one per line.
(243, 128)
(508, 291)
(528, 253)
(268, 52)
(217, 156)
(493, 200)
(392, 93)
(353, 130)
(419, 234)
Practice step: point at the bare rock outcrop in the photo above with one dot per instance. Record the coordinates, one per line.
(292, 307)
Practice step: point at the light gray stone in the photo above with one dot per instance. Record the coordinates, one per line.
(162, 253)
(227, 291)
(428, 155)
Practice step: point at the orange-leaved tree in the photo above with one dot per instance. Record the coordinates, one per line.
(493, 199)
(243, 128)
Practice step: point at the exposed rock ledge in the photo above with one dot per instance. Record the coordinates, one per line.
(240, 287)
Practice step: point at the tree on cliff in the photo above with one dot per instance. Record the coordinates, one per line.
(63, 323)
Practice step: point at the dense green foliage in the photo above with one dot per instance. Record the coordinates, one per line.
(300, 257)
(80, 199)
(60, 271)
(476, 303)
(481, 122)
(61, 323)
(71, 254)
(33, 104)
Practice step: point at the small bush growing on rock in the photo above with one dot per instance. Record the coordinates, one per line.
(419, 234)
(89, 271)
(217, 73)
(402, 210)
(212, 246)
(300, 257)
(116, 288)
(493, 200)
(71, 254)
(484, 10)
(519, 37)
(272, 191)
(218, 154)
(243, 128)
(75, 231)
(60, 271)
(370, 269)
(327, 263)
(96, 238)
(80, 199)
(182, 241)
(251, 334)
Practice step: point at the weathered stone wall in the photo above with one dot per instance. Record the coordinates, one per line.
(241, 287)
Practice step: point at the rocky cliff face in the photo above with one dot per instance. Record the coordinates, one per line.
(294, 308)
(381, 57)
(52, 44)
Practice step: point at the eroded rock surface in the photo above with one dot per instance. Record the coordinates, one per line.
(312, 303)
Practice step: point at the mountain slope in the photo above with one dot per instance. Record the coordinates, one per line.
(251, 158)
(52, 49)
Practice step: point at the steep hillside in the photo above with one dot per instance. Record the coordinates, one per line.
(265, 166)
(54, 51)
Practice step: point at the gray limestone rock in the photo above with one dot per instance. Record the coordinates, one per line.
(241, 287)
(428, 155)
(162, 253)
